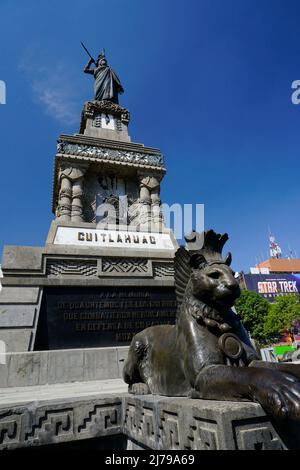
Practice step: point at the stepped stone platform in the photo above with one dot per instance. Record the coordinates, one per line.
(39, 409)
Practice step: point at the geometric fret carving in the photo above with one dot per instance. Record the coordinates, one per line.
(163, 270)
(169, 431)
(131, 420)
(256, 436)
(149, 423)
(140, 424)
(53, 424)
(100, 418)
(10, 428)
(71, 267)
(203, 435)
(109, 266)
(125, 266)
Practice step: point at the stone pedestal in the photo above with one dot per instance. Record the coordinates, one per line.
(76, 412)
(86, 288)
(105, 120)
(99, 279)
(163, 423)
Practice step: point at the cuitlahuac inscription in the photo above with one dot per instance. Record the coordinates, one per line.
(102, 237)
(207, 353)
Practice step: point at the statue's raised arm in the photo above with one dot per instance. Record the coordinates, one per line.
(88, 68)
(107, 85)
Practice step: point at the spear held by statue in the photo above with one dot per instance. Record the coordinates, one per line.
(87, 52)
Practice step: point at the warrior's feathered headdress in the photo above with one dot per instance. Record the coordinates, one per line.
(101, 55)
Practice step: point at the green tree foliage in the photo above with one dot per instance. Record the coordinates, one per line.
(253, 310)
(282, 313)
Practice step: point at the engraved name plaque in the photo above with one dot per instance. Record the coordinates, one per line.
(101, 316)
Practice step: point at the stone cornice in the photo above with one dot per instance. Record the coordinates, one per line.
(111, 155)
(106, 143)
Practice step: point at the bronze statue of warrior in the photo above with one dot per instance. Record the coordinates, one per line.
(107, 85)
(207, 353)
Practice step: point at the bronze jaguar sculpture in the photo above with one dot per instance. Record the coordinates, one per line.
(207, 353)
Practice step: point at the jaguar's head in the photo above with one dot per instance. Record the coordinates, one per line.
(205, 274)
(213, 282)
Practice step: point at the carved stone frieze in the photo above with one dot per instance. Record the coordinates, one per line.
(106, 107)
(158, 423)
(124, 156)
(125, 267)
(53, 423)
(73, 267)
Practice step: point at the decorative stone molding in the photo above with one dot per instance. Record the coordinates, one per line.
(149, 422)
(112, 155)
(163, 270)
(53, 423)
(69, 267)
(109, 266)
(125, 267)
(106, 107)
(161, 423)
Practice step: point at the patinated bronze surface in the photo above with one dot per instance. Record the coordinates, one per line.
(107, 85)
(207, 353)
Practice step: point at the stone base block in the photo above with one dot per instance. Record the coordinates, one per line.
(59, 421)
(163, 423)
(156, 423)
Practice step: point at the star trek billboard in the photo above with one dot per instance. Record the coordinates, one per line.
(270, 286)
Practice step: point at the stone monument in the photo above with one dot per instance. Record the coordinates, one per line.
(106, 270)
(105, 273)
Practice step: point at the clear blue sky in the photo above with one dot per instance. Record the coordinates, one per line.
(207, 81)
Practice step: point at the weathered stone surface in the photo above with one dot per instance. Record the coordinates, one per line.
(122, 353)
(65, 367)
(19, 311)
(17, 315)
(19, 295)
(25, 370)
(101, 363)
(22, 257)
(16, 339)
(71, 365)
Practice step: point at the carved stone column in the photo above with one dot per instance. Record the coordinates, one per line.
(77, 208)
(144, 203)
(63, 211)
(155, 207)
(150, 200)
(71, 192)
